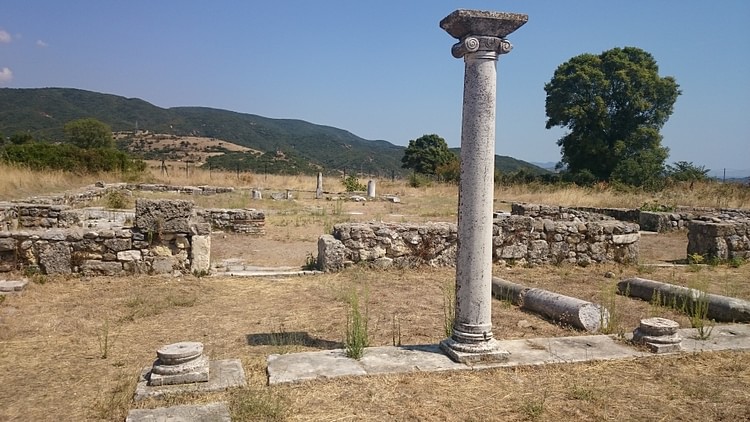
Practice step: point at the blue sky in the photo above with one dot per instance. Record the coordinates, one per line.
(383, 70)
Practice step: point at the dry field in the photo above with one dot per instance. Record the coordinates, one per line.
(71, 348)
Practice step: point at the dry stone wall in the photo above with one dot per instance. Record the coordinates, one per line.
(246, 221)
(647, 220)
(722, 240)
(20, 216)
(164, 239)
(516, 239)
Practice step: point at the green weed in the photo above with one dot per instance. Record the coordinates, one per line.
(357, 337)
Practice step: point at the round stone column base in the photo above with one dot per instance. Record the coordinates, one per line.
(474, 353)
(659, 335)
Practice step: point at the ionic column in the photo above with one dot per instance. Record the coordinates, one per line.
(481, 38)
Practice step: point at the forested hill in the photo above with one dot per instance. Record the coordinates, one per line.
(42, 112)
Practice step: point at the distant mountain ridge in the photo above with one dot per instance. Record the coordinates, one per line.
(43, 112)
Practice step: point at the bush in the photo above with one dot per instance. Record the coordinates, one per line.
(70, 158)
(418, 180)
(351, 184)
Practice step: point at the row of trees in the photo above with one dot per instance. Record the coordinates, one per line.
(89, 148)
(613, 106)
(430, 156)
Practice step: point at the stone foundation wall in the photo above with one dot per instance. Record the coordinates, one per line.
(516, 239)
(647, 220)
(20, 216)
(14, 216)
(99, 190)
(722, 240)
(247, 221)
(165, 239)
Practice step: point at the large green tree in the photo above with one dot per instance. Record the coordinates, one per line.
(89, 133)
(613, 105)
(426, 153)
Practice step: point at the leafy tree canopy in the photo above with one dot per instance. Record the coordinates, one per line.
(684, 171)
(613, 105)
(425, 154)
(89, 133)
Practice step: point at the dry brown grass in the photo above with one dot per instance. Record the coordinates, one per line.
(18, 182)
(50, 354)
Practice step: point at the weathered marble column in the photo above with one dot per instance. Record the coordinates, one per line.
(481, 38)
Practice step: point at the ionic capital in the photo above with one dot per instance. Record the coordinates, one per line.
(487, 45)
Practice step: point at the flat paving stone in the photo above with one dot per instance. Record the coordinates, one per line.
(223, 374)
(12, 286)
(297, 367)
(212, 412)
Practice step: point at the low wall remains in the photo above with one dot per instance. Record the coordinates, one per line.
(722, 240)
(654, 221)
(21, 216)
(516, 239)
(165, 238)
(246, 221)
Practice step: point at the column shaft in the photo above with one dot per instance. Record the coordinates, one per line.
(474, 257)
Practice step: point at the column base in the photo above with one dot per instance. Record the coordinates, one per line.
(473, 353)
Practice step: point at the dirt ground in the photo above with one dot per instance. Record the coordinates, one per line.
(71, 348)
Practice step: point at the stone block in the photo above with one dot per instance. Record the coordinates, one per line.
(7, 244)
(117, 245)
(131, 255)
(163, 216)
(224, 374)
(200, 254)
(163, 265)
(331, 253)
(624, 239)
(54, 258)
(95, 267)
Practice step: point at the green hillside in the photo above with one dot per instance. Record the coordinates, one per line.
(42, 112)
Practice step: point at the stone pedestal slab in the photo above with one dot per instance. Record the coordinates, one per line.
(224, 374)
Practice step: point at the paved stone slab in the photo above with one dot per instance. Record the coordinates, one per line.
(223, 374)
(247, 273)
(213, 412)
(298, 367)
(723, 337)
(10, 286)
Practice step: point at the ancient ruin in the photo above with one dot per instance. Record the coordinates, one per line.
(481, 40)
(183, 367)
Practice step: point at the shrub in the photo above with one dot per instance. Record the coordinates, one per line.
(351, 184)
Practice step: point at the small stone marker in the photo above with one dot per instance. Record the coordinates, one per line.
(257, 194)
(179, 363)
(659, 335)
(371, 189)
(319, 186)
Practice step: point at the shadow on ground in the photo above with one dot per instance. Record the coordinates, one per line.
(291, 338)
